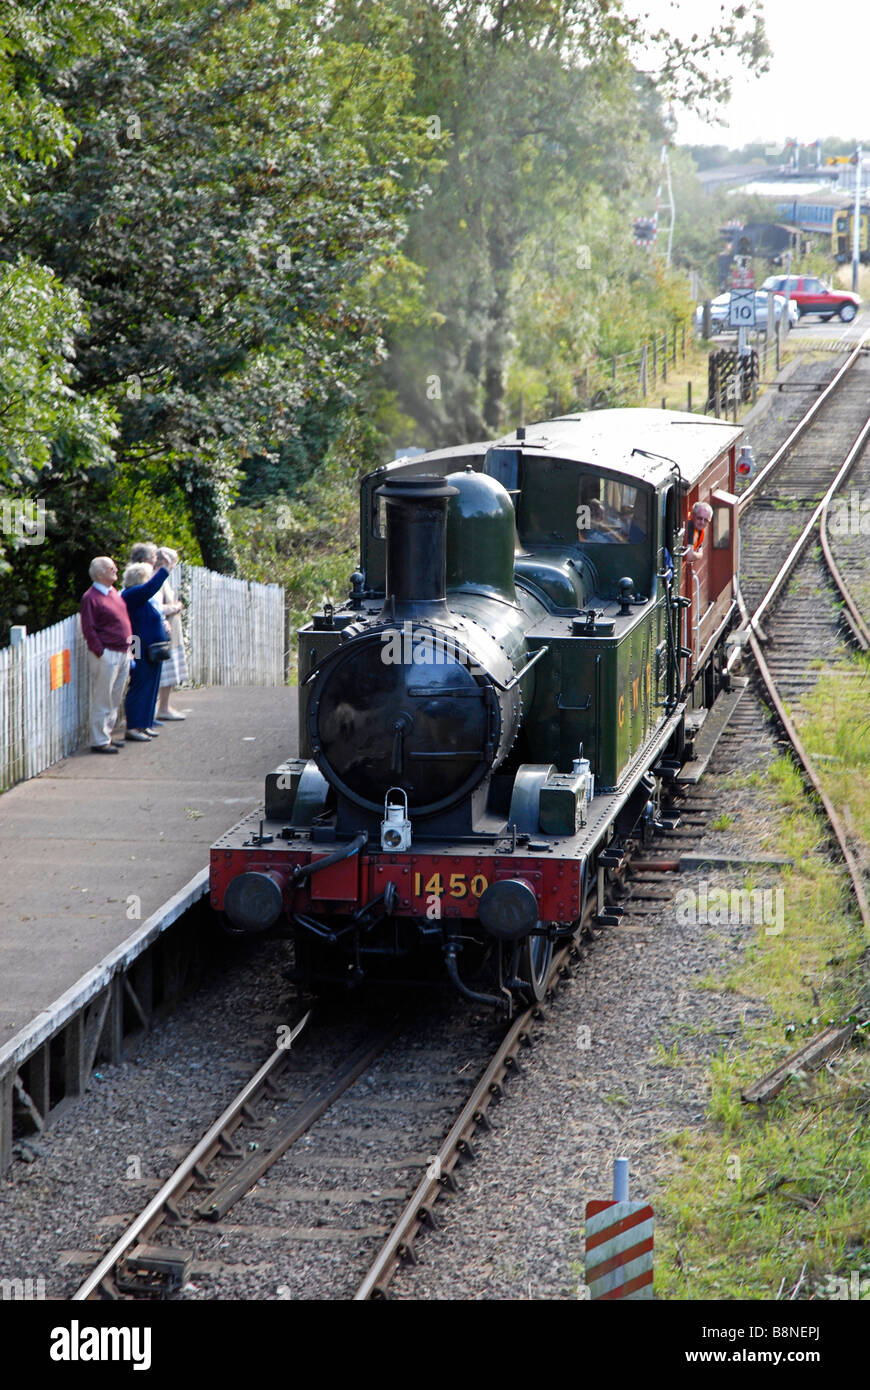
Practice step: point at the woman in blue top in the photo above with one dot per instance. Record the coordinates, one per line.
(148, 626)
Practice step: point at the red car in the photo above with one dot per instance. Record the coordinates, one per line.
(812, 297)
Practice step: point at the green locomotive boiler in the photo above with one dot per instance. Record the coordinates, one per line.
(485, 720)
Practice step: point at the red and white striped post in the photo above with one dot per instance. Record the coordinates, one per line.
(619, 1243)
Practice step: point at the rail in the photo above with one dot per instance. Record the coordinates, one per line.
(218, 1135)
(753, 621)
(457, 1146)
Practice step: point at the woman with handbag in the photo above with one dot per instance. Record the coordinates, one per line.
(150, 649)
(174, 671)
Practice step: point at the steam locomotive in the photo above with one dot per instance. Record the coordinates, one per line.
(536, 629)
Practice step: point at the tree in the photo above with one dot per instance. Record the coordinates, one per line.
(43, 420)
(237, 178)
(537, 104)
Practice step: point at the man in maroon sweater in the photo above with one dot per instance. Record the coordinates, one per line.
(109, 636)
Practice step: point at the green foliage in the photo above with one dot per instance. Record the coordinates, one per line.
(39, 321)
(203, 251)
(523, 137)
(55, 445)
(153, 508)
(582, 295)
(228, 218)
(308, 543)
(536, 109)
(37, 41)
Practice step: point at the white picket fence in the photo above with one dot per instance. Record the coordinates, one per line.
(234, 635)
(38, 725)
(235, 627)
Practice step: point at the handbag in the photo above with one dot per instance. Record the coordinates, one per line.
(159, 651)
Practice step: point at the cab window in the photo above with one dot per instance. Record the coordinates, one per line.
(611, 513)
(721, 527)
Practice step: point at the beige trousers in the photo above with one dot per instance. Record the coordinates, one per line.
(108, 674)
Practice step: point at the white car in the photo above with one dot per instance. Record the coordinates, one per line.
(720, 306)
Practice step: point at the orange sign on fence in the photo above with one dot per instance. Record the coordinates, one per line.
(60, 669)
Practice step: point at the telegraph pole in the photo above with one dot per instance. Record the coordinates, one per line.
(856, 228)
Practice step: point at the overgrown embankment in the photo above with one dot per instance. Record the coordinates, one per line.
(775, 1200)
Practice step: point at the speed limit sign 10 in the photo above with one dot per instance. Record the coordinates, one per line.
(741, 309)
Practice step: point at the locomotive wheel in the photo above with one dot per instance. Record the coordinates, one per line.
(532, 960)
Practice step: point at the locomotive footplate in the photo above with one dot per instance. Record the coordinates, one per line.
(277, 861)
(457, 876)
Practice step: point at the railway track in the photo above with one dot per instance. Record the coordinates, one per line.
(823, 452)
(780, 515)
(795, 602)
(777, 506)
(265, 1178)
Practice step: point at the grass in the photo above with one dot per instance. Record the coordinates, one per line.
(667, 1056)
(766, 1200)
(692, 368)
(723, 821)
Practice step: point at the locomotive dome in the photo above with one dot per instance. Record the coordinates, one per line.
(481, 536)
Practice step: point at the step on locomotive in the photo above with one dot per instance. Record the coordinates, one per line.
(536, 628)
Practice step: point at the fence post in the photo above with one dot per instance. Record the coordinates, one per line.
(664, 356)
(613, 370)
(683, 344)
(674, 346)
(234, 631)
(643, 370)
(689, 396)
(655, 362)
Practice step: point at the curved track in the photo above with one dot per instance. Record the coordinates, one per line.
(790, 497)
(821, 455)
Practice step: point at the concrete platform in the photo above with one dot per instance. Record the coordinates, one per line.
(95, 845)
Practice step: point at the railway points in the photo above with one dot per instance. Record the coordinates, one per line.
(438, 1176)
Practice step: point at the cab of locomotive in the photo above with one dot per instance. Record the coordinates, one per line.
(605, 521)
